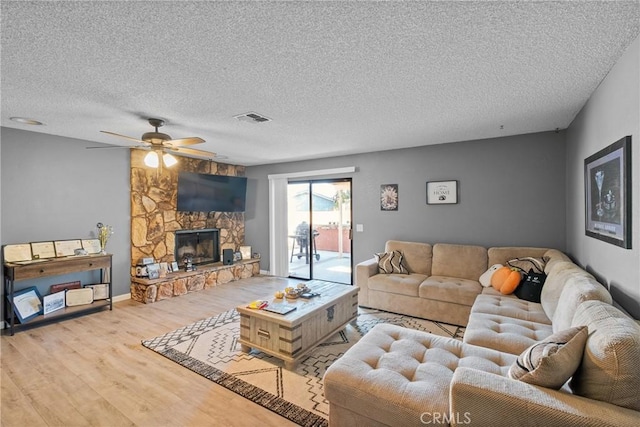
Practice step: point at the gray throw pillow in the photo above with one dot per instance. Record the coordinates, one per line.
(391, 262)
(551, 362)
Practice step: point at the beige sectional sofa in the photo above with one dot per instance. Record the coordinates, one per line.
(396, 376)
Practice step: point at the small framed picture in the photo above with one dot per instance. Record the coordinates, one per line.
(237, 256)
(27, 304)
(43, 250)
(164, 269)
(67, 247)
(245, 251)
(153, 270)
(100, 290)
(53, 302)
(15, 253)
(92, 246)
(389, 197)
(442, 192)
(174, 266)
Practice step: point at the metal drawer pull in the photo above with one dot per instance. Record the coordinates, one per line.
(264, 334)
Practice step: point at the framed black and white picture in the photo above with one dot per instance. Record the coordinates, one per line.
(389, 197)
(442, 192)
(53, 302)
(607, 182)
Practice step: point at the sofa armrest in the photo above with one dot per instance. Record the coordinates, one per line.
(364, 270)
(482, 399)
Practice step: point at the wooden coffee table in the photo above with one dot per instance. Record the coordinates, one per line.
(290, 336)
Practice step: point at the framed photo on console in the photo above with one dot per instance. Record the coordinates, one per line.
(27, 304)
(607, 185)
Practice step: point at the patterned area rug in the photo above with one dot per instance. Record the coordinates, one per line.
(210, 348)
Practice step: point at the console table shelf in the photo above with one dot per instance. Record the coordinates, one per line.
(16, 272)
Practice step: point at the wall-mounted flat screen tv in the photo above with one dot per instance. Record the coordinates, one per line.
(211, 193)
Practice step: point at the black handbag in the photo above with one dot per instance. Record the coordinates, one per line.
(530, 287)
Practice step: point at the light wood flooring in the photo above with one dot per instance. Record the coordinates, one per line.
(93, 370)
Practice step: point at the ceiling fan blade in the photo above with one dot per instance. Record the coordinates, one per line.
(184, 141)
(193, 152)
(116, 146)
(124, 136)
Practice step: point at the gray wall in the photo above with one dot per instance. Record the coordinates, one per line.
(53, 188)
(511, 192)
(612, 112)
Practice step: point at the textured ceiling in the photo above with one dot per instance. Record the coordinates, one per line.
(334, 77)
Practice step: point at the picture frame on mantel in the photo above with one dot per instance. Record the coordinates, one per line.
(442, 192)
(607, 185)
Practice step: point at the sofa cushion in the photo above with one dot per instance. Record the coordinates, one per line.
(391, 262)
(553, 256)
(503, 333)
(417, 256)
(395, 374)
(577, 290)
(552, 361)
(403, 284)
(450, 289)
(502, 254)
(609, 368)
(463, 261)
(508, 306)
(557, 278)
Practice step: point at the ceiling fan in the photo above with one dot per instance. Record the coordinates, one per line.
(158, 143)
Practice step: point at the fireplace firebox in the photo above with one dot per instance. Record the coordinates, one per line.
(201, 246)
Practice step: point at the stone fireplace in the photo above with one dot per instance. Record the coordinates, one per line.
(202, 246)
(155, 218)
(157, 225)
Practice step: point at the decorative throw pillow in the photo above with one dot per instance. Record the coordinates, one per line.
(391, 262)
(552, 361)
(505, 280)
(485, 278)
(530, 287)
(528, 263)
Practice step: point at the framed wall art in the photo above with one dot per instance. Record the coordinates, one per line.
(607, 183)
(389, 197)
(442, 192)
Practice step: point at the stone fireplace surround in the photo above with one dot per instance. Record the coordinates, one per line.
(155, 219)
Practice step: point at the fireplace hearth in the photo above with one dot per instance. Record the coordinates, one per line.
(201, 246)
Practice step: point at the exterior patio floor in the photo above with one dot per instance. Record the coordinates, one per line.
(330, 267)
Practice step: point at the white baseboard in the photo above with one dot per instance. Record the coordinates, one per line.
(122, 297)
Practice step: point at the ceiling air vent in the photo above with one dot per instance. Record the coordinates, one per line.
(252, 118)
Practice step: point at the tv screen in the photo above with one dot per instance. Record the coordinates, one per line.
(211, 193)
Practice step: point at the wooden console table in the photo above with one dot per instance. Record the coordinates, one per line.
(16, 272)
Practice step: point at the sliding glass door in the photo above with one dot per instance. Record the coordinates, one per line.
(319, 230)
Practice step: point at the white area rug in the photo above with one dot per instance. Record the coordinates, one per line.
(210, 348)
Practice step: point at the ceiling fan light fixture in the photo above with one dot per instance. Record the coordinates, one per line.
(151, 159)
(169, 160)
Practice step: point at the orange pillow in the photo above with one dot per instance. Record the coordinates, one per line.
(506, 280)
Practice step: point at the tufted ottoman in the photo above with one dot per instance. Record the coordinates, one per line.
(397, 376)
